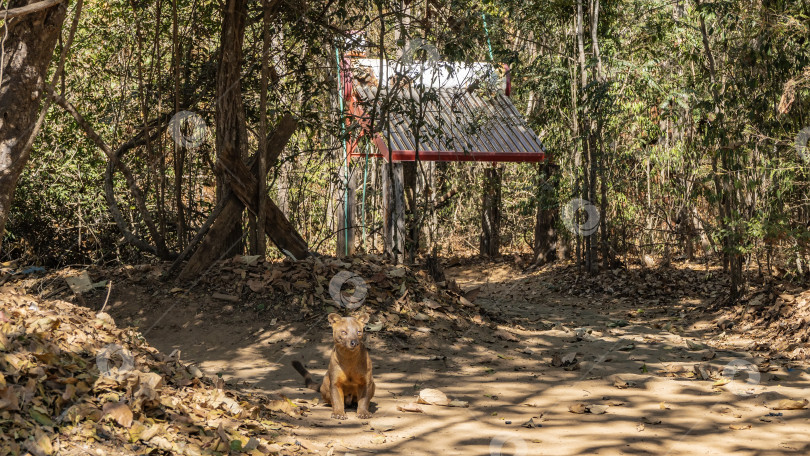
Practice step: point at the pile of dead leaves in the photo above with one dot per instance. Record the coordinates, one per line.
(364, 283)
(71, 382)
(664, 284)
(776, 313)
(395, 295)
(779, 315)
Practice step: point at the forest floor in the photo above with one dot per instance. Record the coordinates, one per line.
(630, 363)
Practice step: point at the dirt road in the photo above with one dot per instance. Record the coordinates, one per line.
(644, 387)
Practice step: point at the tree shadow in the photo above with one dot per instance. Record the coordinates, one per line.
(631, 355)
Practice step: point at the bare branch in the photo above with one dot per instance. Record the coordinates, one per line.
(28, 9)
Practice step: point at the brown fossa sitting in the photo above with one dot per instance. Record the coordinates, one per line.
(348, 378)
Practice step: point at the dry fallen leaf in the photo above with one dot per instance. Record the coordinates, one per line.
(119, 412)
(739, 427)
(80, 283)
(597, 409)
(457, 403)
(568, 361)
(378, 439)
(374, 327)
(432, 397)
(410, 407)
(694, 345)
(621, 384)
(531, 424)
(702, 372)
(790, 404)
(579, 408)
(397, 273)
(40, 445)
(255, 286)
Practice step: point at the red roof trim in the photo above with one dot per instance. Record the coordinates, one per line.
(410, 155)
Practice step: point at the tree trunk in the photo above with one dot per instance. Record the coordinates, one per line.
(179, 158)
(594, 145)
(409, 174)
(545, 227)
(28, 50)
(393, 197)
(231, 130)
(283, 182)
(347, 211)
(213, 247)
(726, 192)
(491, 213)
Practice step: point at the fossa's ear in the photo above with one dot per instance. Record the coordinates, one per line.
(334, 318)
(362, 319)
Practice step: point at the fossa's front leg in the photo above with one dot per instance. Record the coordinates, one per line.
(363, 402)
(338, 410)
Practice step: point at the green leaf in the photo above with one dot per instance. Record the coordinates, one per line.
(41, 418)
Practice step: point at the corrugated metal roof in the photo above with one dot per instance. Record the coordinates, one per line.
(452, 124)
(440, 75)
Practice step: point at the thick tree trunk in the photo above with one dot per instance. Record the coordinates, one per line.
(213, 247)
(231, 130)
(28, 50)
(244, 184)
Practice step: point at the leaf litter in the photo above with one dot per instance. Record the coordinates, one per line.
(54, 399)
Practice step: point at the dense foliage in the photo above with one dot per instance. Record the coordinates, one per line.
(679, 120)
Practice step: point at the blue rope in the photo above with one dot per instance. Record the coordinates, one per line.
(486, 30)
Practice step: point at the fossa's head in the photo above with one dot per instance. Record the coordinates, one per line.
(348, 331)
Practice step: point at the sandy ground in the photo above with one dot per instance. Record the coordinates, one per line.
(507, 373)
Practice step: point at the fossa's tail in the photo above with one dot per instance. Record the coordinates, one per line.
(308, 381)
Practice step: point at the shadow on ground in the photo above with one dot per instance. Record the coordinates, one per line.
(631, 355)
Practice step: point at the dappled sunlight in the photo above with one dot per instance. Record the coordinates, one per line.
(544, 371)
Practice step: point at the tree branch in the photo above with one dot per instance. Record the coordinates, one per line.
(28, 9)
(114, 162)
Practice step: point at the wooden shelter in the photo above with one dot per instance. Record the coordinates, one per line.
(431, 111)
